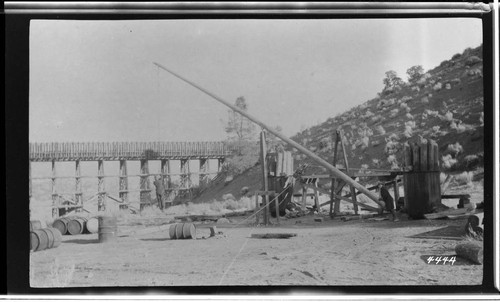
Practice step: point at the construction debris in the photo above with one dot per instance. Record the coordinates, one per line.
(450, 212)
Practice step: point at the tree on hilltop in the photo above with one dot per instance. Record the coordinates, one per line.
(238, 127)
(392, 82)
(415, 73)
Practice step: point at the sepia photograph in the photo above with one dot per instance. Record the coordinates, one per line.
(282, 150)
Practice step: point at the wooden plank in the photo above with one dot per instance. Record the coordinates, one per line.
(423, 157)
(415, 157)
(274, 235)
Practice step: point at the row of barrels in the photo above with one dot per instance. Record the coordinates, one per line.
(182, 231)
(75, 225)
(51, 237)
(44, 238)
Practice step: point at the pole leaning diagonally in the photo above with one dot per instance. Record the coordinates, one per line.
(287, 140)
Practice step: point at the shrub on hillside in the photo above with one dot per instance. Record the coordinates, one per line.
(447, 161)
(472, 60)
(455, 148)
(409, 116)
(376, 118)
(394, 112)
(448, 116)
(456, 56)
(437, 87)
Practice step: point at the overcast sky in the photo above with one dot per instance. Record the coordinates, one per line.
(96, 81)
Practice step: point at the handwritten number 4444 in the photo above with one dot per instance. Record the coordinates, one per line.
(441, 260)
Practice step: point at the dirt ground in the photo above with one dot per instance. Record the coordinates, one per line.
(331, 252)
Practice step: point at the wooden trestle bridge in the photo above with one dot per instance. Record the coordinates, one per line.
(184, 152)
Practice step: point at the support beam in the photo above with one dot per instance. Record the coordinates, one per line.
(123, 182)
(31, 185)
(287, 140)
(204, 168)
(165, 177)
(332, 193)
(101, 188)
(263, 151)
(145, 194)
(353, 190)
(55, 196)
(220, 164)
(78, 185)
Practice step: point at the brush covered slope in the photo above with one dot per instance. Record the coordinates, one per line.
(446, 105)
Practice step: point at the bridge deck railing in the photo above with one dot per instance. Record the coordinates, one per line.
(127, 150)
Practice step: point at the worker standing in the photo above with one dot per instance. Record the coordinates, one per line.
(386, 197)
(160, 192)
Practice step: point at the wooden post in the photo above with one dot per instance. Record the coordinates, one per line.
(101, 189)
(334, 163)
(263, 151)
(204, 169)
(165, 176)
(353, 190)
(220, 164)
(123, 182)
(304, 198)
(78, 185)
(185, 184)
(55, 199)
(316, 195)
(145, 194)
(396, 192)
(30, 192)
(257, 208)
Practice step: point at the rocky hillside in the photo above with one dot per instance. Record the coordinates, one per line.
(445, 105)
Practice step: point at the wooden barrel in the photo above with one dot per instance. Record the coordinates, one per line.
(92, 225)
(171, 231)
(77, 225)
(188, 231)
(107, 229)
(55, 235)
(62, 225)
(179, 228)
(39, 240)
(421, 184)
(35, 225)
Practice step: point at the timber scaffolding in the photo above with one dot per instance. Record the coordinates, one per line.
(184, 152)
